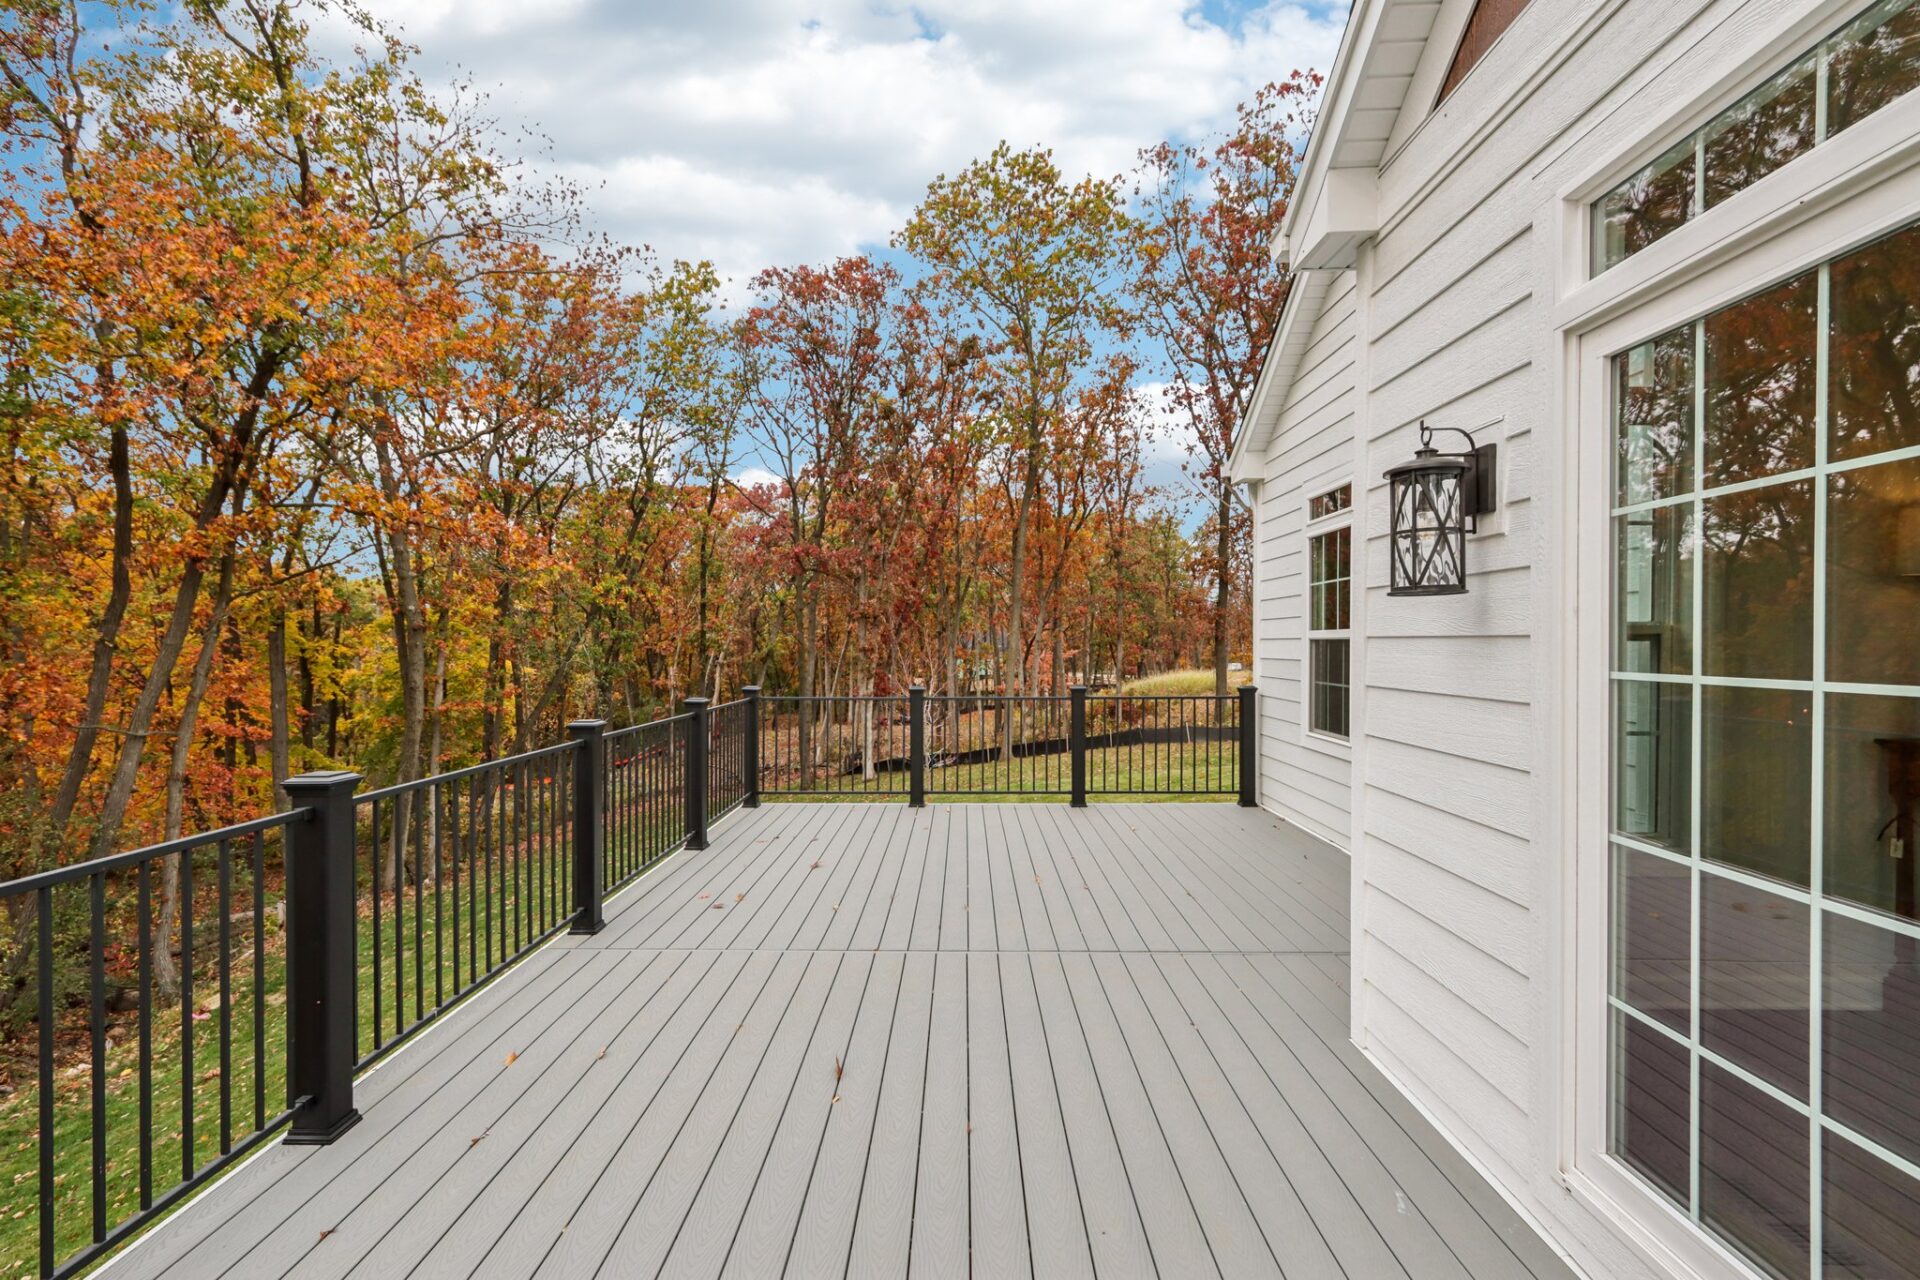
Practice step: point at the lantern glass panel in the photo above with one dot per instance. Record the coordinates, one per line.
(1429, 536)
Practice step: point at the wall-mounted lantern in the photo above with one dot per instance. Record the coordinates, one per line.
(1436, 500)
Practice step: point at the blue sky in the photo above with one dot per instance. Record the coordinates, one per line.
(761, 132)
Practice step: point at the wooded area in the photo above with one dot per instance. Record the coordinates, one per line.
(333, 437)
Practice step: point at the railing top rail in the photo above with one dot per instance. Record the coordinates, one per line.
(133, 857)
(830, 697)
(722, 706)
(454, 775)
(648, 724)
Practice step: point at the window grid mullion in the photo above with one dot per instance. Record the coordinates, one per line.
(1816, 833)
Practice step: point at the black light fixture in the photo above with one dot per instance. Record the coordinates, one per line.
(1436, 501)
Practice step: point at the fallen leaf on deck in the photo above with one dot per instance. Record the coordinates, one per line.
(512, 1058)
(739, 897)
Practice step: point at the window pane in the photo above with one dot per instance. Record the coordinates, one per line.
(1758, 592)
(1756, 1181)
(1652, 763)
(1653, 591)
(1767, 128)
(1644, 208)
(1329, 659)
(1872, 1215)
(1873, 574)
(1329, 564)
(1755, 976)
(1872, 62)
(1870, 1034)
(1654, 402)
(1874, 351)
(1756, 780)
(1651, 1104)
(1652, 936)
(1872, 789)
(1760, 381)
(1328, 503)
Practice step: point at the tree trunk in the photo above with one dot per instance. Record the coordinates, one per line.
(106, 638)
(166, 976)
(805, 717)
(410, 634)
(1223, 568)
(277, 706)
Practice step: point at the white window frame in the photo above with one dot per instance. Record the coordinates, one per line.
(1321, 739)
(1815, 209)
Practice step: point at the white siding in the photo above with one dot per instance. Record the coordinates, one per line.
(1449, 316)
(1305, 779)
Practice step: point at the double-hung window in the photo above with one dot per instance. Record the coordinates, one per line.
(1329, 611)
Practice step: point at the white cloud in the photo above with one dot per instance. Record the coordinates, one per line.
(757, 132)
(755, 477)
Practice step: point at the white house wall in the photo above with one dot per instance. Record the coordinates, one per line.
(1460, 868)
(1304, 779)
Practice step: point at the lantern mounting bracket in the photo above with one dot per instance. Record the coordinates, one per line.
(1478, 486)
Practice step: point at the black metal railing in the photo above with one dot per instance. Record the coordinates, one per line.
(834, 746)
(1079, 745)
(466, 871)
(293, 951)
(646, 780)
(173, 939)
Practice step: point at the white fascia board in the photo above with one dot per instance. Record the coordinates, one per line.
(1246, 463)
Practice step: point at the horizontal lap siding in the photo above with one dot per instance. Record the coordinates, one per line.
(1311, 450)
(1450, 923)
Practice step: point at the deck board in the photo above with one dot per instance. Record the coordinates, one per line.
(863, 1040)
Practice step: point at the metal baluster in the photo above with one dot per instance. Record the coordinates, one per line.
(186, 1016)
(260, 984)
(43, 905)
(373, 865)
(437, 806)
(144, 904)
(224, 868)
(417, 840)
(97, 1031)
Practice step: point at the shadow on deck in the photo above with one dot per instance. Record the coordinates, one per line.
(867, 1040)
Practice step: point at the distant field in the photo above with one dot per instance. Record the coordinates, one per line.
(1194, 682)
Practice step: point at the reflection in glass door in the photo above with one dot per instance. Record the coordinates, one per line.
(1765, 968)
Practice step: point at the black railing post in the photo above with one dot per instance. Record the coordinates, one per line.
(699, 735)
(1077, 742)
(320, 957)
(1249, 746)
(589, 824)
(917, 746)
(751, 753)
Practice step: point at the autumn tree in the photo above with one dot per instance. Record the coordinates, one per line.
(1033, 258)
(1210, 292)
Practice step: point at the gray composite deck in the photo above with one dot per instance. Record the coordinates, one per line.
(866, 1040)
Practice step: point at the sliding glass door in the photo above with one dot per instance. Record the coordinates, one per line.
(1765, 676)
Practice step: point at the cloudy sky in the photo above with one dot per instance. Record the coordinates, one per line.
(753, 132)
